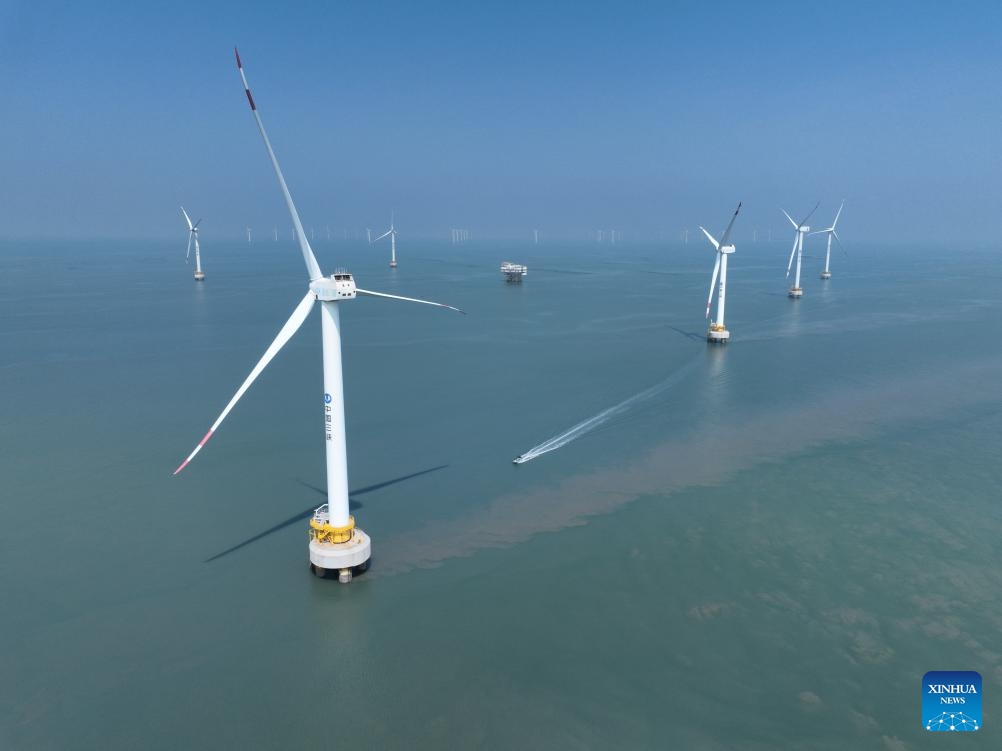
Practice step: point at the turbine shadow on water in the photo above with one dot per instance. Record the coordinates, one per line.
(689, 334)
(308, 512)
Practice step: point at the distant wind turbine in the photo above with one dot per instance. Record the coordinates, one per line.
(798, 250)
(193, 236)
(717, 332)
(830, 231)
(392, 233)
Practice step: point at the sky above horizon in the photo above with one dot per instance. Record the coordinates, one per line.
(500, 117)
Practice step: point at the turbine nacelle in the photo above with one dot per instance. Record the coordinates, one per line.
(338, 286)
(804, 229)
(726, 249)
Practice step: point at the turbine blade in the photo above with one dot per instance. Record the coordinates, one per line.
(795, 226)
(291, 327)
(188, 252)
(837, 214)
(809, 215)
(312, 267)
(408, 299)
(382, 236)
(713, 283)
(187, 218)
(197, 223)
(796, 237)
(727, 232)
(835, 235)
(709, 237)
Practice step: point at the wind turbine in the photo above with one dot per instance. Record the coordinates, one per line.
(368, 235)
(248, 235)
(276, 234)
(717, 332)
(798, 250)
(193, 235)
(335, 542)
(826, 274)
(393, 242)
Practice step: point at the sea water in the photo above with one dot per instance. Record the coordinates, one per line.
(765, 549)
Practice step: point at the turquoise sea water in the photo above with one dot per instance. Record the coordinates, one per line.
(767, 551)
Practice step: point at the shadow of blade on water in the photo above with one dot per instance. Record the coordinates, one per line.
(308, 512)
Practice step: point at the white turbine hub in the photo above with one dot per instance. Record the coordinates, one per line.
(338, 286)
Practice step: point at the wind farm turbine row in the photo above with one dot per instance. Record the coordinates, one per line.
(717, 332)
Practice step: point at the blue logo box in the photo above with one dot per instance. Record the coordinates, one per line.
(951, 700)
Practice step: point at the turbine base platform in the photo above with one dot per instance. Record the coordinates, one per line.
(796, 293)
(199, 276)
(345, 558)
(393, 264)
(826, 275)
(717, 334)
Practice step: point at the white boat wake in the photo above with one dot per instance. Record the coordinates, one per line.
(586, 426)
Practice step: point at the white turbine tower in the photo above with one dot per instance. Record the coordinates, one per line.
(392, 233)
(276, 234)
(717, 332)
(248, 235)
(368, 235)
(193, 235)
(335, 542)
(830, 231)
(798, 250)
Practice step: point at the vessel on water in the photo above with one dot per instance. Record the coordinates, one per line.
(513, 272)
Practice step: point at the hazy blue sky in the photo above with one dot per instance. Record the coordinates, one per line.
(645, 116)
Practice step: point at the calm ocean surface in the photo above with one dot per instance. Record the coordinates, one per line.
(766, 552)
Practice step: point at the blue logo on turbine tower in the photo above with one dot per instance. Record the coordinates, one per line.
(951, 700)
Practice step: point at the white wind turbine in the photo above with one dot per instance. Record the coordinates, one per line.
(798, 250)
(335, 542)
(717, 332)
(830, 231)
(193, 235)
(393, 242)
